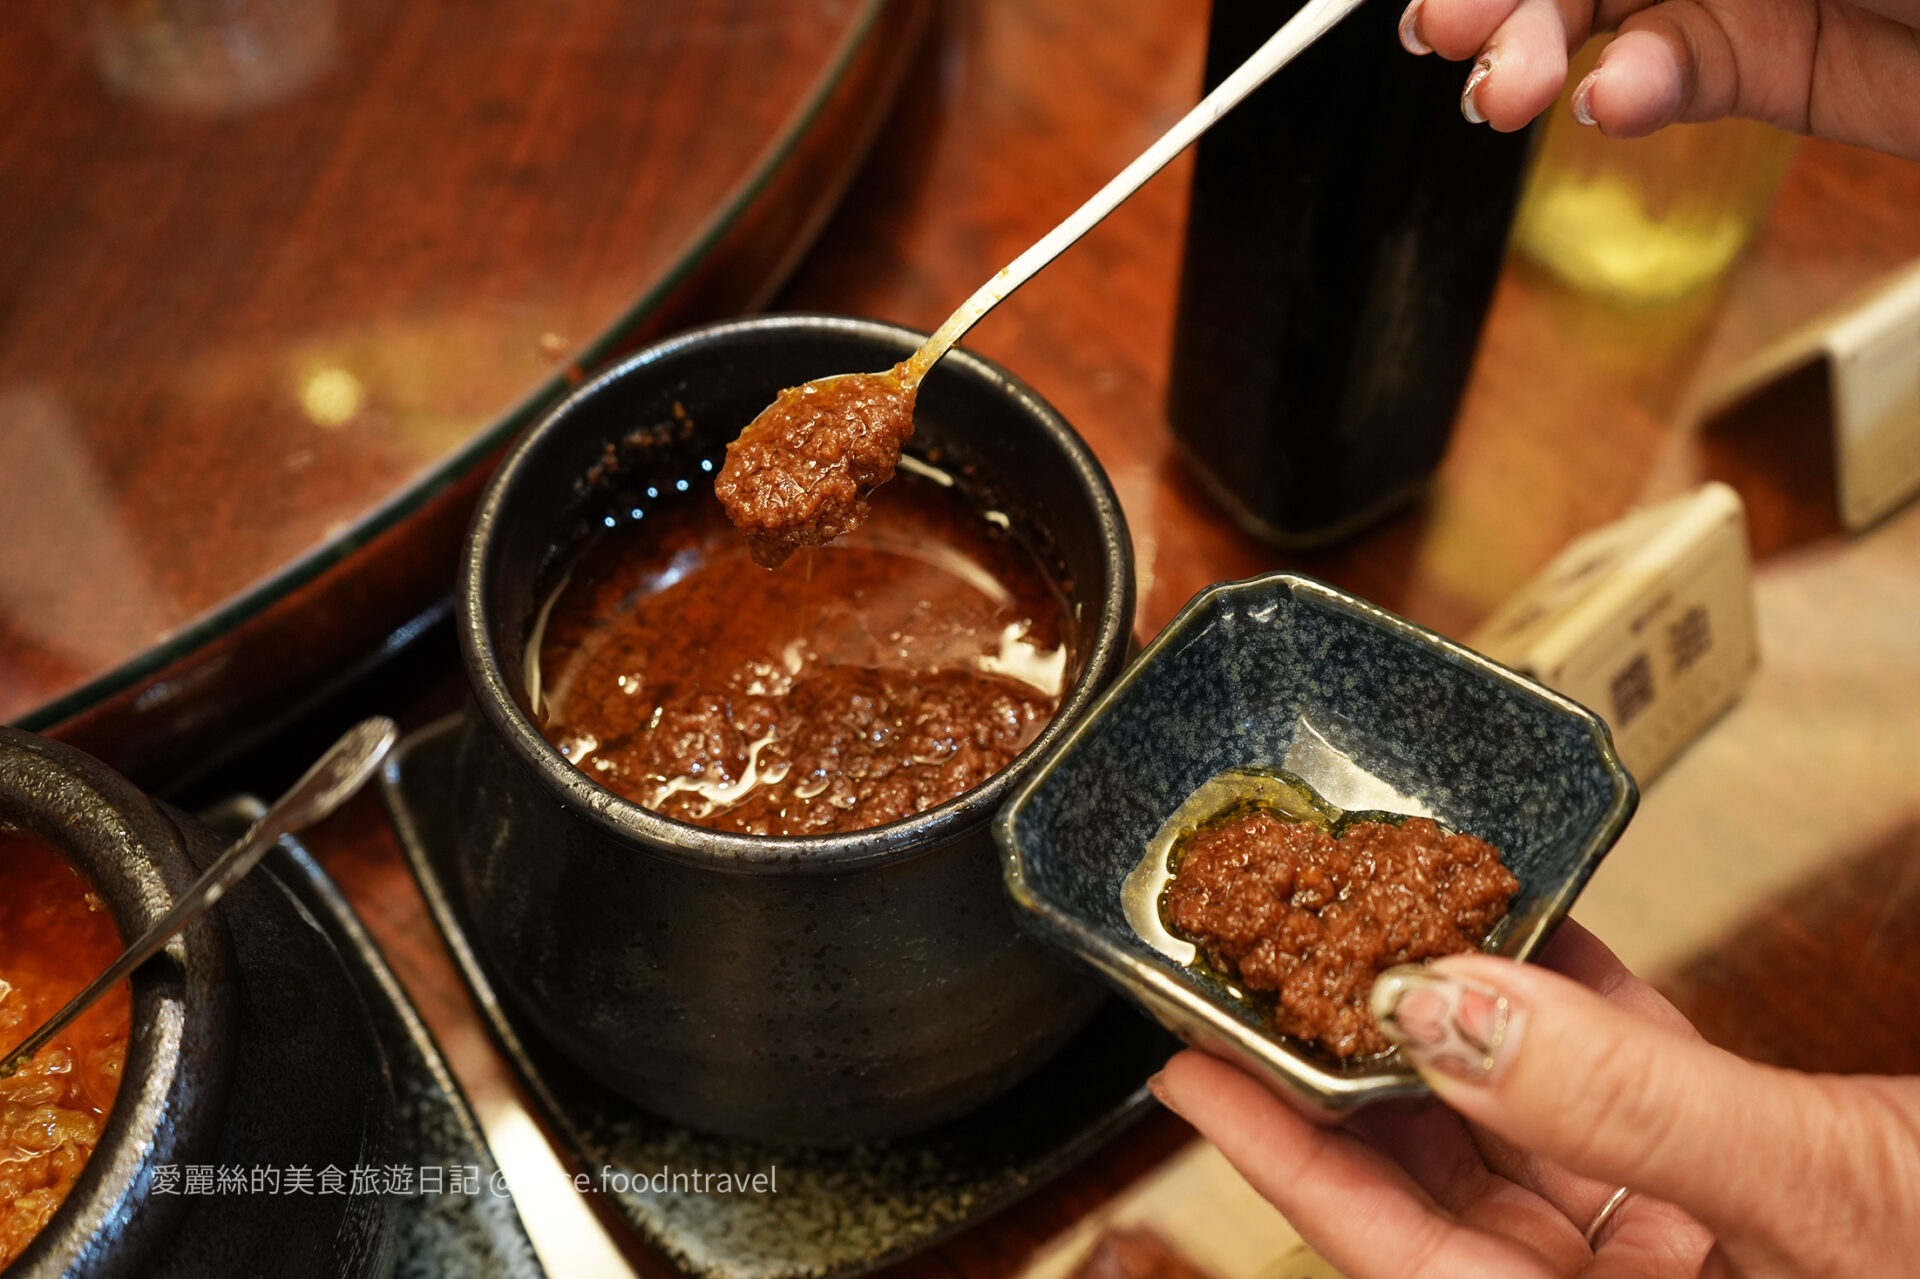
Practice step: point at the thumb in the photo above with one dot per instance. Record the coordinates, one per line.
(1552, 1067)
(1840, 71)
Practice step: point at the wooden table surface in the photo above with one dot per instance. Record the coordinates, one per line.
(274, 277)
(1771, 882)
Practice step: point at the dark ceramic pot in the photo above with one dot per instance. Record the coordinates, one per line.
(173, 1088)
(250, 1048)
(820, 990)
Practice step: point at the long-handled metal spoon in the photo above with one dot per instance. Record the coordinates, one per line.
(757, 482)
(329, 783)
(1312, 21)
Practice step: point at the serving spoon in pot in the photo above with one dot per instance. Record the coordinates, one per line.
(331, 781)
(800, 472)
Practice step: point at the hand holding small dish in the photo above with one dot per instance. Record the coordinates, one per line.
(1282, 673)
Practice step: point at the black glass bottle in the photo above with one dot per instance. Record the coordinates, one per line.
(1345, 233)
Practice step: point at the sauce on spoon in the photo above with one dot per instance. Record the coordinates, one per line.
(799, 475)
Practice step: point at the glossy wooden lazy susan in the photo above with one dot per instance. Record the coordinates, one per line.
(824, 1212)
(291, 273)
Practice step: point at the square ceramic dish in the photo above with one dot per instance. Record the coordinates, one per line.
(1284, 672)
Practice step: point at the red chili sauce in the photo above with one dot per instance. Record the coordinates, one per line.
(55, 937)
(863, 682)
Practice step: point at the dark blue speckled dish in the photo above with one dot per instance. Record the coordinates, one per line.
(1284, 672)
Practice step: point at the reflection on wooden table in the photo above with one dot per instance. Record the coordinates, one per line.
(1769, 882)
(278, 274)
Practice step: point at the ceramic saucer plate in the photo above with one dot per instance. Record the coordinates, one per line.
(432, 1126)
(830, 1213)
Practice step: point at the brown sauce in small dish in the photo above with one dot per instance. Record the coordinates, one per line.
(1303, 919)
(55, 937)
(800, 474)
(865, 682)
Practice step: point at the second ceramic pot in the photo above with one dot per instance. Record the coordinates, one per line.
(173, 1086)
(819, 990)
(250, 1049)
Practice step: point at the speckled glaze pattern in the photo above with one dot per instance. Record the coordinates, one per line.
(828, 989)
(1229, 684)
(173, 1091)
(835, 1212)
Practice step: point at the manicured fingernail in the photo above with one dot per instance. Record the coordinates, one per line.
(1583, 99)
(1460, 1028)
(1482, 68)
(1410, 30)
(1158, 1087)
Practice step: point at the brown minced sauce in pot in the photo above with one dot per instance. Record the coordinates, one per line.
(863, 682)
(1305, 920)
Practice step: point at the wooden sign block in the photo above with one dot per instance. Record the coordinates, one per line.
(1649, 622)
(1871, 346)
